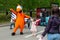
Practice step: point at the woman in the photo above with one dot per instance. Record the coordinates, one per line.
(52, 29)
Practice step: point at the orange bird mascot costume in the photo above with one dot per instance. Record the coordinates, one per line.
(19, 20)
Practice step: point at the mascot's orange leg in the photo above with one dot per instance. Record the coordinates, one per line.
(21, 28)
(15, 29)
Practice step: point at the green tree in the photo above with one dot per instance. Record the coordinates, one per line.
(26, 4)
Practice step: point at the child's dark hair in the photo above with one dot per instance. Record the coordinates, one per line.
(34, 19)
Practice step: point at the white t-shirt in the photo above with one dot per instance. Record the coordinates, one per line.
(13, 16)
(25, 19)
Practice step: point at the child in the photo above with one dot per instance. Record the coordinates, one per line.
(33, 27)
(13, 18)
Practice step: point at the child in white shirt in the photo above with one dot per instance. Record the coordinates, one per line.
(33, 27)
(13, 18)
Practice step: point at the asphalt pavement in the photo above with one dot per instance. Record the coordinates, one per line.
(5, 34)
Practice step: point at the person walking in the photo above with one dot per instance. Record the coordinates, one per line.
(53, 28)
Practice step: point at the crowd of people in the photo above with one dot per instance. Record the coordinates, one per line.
(53, 25)
(50, 20)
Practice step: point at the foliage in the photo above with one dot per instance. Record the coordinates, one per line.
(4, 18)
(26, 4)
(5, 5)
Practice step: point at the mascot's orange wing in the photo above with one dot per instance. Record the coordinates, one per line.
(27, 16)
(13, 11)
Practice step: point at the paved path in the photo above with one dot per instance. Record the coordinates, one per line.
(5, 34)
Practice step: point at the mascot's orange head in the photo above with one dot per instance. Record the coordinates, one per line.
(19, 8)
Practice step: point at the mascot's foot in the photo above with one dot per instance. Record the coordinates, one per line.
(21, 33)
(13, 34)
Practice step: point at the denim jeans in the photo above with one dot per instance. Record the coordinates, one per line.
(12, 24)
(53, 36)
(29, 23)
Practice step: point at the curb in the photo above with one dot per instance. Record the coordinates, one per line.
(2, 25)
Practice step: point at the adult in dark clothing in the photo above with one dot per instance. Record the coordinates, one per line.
(28, 21)
(53, 30)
